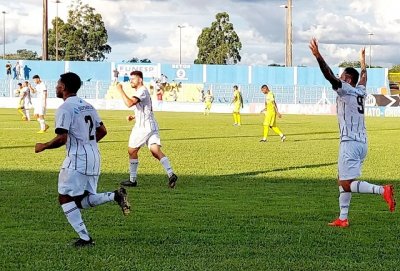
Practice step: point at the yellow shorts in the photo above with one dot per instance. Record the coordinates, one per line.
(270, 119)
(236, 108)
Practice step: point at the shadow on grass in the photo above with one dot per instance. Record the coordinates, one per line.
(32, 147)
(209, 222)
(253, 173)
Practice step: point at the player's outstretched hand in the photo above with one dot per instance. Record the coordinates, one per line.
(130, 118)
(279, 115)
(314, 47)
(39, 147)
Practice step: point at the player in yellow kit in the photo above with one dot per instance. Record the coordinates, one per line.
(271, 111)
(208, 99)
(237, 104)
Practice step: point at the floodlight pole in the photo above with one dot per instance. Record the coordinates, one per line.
(288, 33)
(45, 41)
(370, 51)
(180, 43)
(57, 2)
(4, 34)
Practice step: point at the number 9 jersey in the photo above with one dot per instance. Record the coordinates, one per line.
(350, 112)
(79, 119)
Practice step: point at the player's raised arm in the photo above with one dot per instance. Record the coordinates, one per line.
(326, 71)
(363, 74)
(129, 102)
(32, 89)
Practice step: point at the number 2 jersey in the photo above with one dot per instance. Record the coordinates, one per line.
(350, 112)
(80, 119)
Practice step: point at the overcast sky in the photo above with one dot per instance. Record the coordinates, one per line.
(149, 28)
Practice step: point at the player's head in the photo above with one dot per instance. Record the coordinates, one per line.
(264, 89)
(235, 87)
(69, 82)
(36, 79)
(136, 79)
(26, 83)
(19, 85)
(350, 75)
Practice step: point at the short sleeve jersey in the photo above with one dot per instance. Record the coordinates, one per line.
(40, 91)
(350, 112)
(26, 94)
(208, 98)
(144, 115)
(269, 102)
(236, 97)
(80, 119)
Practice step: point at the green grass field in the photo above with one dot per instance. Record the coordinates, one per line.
(238, 205)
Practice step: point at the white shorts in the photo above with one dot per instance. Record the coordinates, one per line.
(140, 137)
(27, 105)
(74, 183)
(351, 158)
(39, 110)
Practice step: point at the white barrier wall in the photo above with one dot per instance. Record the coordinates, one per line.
(252, 108)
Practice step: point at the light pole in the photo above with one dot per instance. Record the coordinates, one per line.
(57, 2)
(4, 34)
(370, 34)
(45, 41)
(288, 33)
(180, 43)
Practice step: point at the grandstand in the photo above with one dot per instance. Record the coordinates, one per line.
(291, 85)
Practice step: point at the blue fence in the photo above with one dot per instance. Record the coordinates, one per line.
(291, 85)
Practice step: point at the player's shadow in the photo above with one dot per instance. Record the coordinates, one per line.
(207, 138)
(313, 133)
(316, 139)
(18, 147)
(282, 169)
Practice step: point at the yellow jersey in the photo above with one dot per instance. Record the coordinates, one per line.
(270, 103)
(208, 98)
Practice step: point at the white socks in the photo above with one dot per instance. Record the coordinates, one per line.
(134, 164)
(74, 218)
(355, 187)
(133, 168)
(365, 188)
(165, 163)
(344, 203)
(42, 124)
(27, 115)
(93, 200)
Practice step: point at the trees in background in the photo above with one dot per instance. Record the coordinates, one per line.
(137, 60)
(219, 44)
(82, 37)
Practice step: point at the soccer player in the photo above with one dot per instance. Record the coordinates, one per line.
(145, 131)
(18, 93)
(41, 102)
(79, 127)
(237, 104)
(353, 137)
(271, 111)
(25, 101)
(208, 99)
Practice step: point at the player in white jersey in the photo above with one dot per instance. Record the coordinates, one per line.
(41, 102)
(25, 101)
(145, 130)
(353, 138)
(79, 127)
